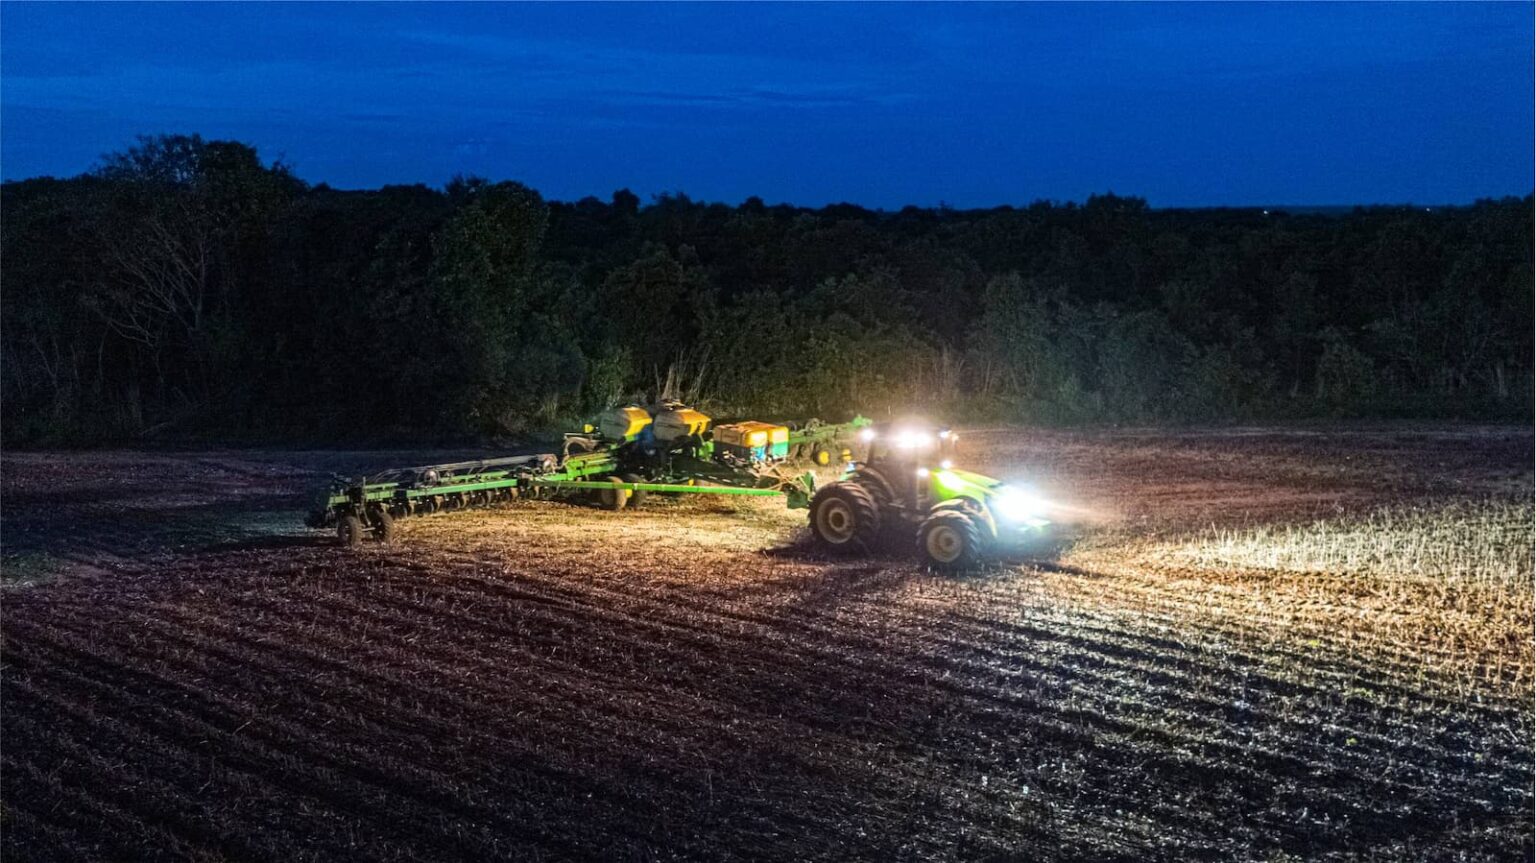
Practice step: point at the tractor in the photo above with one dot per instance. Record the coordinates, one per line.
(908, 485)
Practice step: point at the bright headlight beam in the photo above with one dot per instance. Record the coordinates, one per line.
(1019, 505)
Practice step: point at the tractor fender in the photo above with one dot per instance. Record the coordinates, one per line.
(973, 507)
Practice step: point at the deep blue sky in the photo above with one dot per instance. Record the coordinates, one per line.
(881, 105)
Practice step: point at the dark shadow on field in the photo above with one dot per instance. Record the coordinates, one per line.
(314, 539)
(891, 563)
(897, 549)
(804, 548)
(267, 520)
(1052, 566)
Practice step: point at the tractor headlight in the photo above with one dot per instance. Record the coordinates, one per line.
(912, 439)
(1020, 505)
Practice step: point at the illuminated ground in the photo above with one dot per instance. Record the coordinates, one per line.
(1262, 644)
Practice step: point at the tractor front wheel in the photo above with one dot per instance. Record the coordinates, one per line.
(950, 540)
(844, 517)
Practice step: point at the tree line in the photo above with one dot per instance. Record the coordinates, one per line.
(187, 287)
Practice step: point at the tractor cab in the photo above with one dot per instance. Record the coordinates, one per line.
(908, 442)
(901, 460)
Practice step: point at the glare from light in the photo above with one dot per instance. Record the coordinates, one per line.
(867, 435)
(912, 438)
(946, 464)
(944, 435)
(1020, 505)
(950, 480)
(922, 473)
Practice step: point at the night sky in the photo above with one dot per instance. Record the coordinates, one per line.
(881, 105)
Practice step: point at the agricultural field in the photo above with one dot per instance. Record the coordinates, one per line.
(1249, 644)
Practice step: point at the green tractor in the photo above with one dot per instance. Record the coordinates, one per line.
(908, 485)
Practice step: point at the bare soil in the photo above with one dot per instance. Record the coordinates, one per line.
(186, 672)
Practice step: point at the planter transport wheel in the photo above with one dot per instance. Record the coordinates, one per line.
(349, 529)
(614, 498)
(637, 496)
(384, 526)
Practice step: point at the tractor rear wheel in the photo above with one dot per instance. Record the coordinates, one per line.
(874, 482)
(384, 526)
(844, 516)
(821, 456)
(349, 529)
(950, 540)
(637, 496)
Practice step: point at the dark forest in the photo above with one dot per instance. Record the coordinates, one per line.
(186, 288)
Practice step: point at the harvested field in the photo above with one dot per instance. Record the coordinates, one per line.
(1256, 644)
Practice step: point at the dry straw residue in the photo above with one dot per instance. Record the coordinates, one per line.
(1439, 591)
(1487, 541)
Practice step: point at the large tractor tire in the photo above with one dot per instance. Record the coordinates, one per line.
(614, 498)
(844, 517)
(384, 526)
(636, 497)
(874, 482)
(950, 540)
(349, 529)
